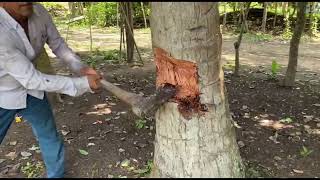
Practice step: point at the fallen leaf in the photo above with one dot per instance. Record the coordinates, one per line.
(241, 144)
(12, 143)
(91, 144)
(25, 154)
(100, 122)
(100, 106)
(11, 155)
(83, 152)
(318, 105)
(125, 163)
(307, 118)
(63, 132)
(121, 150)
(110, 176)
(18, 119)
(2, 160)
(297, 171)
(141, 171)
(34, 148)
(244, 107)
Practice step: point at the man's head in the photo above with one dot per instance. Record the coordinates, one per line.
(18, 9)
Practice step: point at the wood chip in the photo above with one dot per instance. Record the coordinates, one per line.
(297, 171)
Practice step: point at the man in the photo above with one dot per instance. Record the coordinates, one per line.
(24, 29)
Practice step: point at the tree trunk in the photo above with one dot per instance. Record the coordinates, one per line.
(284, 9)
(286, 18)
(294, 9)
(264, 19)
(127, 6)
(311, 19)
(275, 15)
(238, 42)
(224, 17)
(117, 14)
(200, 141)
(144, 16)
(294, 45)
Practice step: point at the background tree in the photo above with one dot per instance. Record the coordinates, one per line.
(238, 42)
(264, 18)
(294, 45)
(196, 142)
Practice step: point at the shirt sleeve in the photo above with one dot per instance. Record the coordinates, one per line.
(58, 45)
(17, 65)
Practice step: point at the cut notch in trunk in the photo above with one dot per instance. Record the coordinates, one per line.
(184, 76)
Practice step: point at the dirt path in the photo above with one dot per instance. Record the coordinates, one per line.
(112, 138)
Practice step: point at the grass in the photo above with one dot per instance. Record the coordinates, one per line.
(32, 170)
(257, 37)
(140, 123)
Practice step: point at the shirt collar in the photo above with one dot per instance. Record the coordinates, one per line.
(5, 17)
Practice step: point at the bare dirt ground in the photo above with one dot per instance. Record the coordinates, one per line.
(273, 123)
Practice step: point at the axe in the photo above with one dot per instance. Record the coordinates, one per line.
(141, 105)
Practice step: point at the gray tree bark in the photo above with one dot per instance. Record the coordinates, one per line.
(294, 45)
(275, 15)
(264, 19)
(205, 145)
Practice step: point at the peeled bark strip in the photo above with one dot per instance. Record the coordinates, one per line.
(184, 76)
(204, 146)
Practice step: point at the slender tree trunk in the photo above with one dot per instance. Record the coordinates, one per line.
(275, 15)
(284, 9)
(127, 6)
(294, 45)
(224, 17)
(311, 19)
(144, 16)
(286, 17)
(264, 19)
(118, 14)
(294, 5)
(238, 42)
(196, 142)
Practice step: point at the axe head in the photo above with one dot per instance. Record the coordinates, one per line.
(144, 106)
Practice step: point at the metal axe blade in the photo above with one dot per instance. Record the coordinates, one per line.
(141, 105)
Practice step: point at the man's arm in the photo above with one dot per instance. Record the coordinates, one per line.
(16, 64)
(58, 45)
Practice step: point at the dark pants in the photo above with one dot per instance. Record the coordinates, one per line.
(39, 114)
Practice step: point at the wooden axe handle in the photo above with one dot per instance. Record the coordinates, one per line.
(125, 96)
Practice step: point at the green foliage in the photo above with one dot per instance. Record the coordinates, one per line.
(257, 37)
(32, 170)
(274, 69)
(138, 14)
(83, 152)
(304, 152)
(140, 123)
(314, 26)
(54, 8)
(145, 171)
(110, 56)
(253, 170)
(286, 120)
(287, 34)
(102, 13)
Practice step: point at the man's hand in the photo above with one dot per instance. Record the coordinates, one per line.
(93, 77)
(94, 82)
